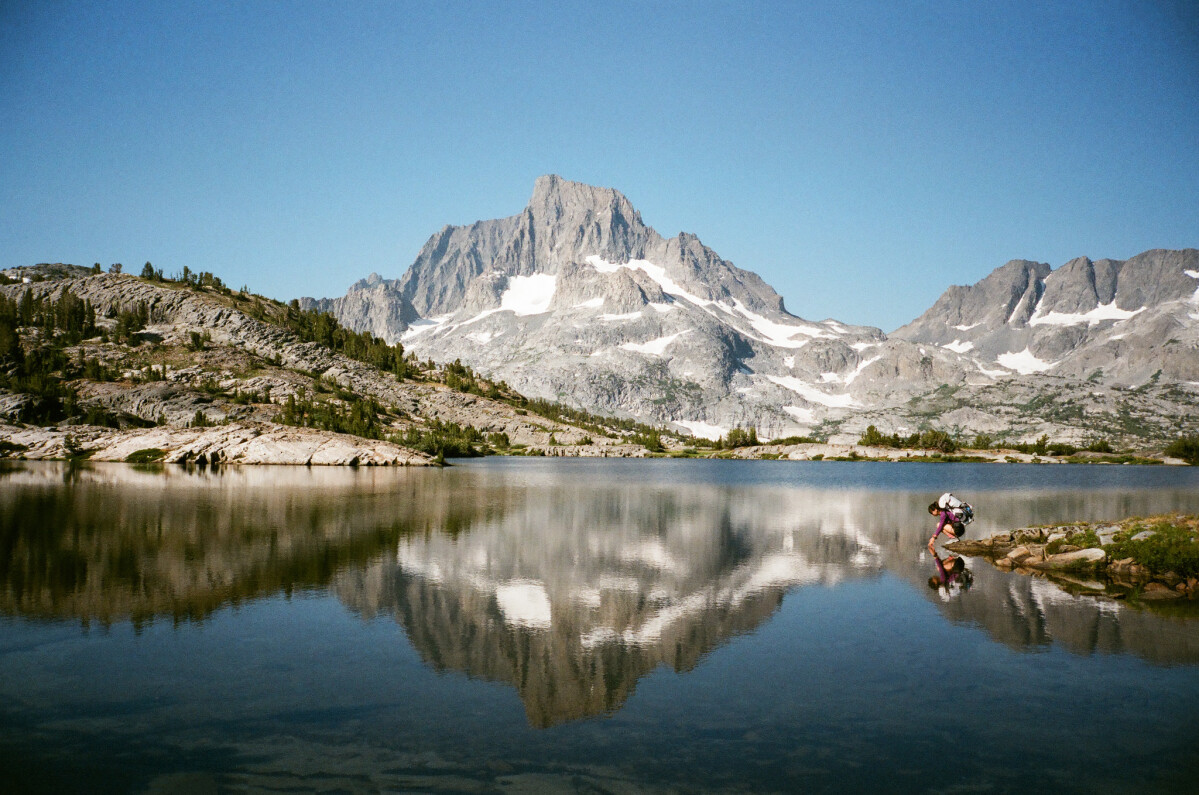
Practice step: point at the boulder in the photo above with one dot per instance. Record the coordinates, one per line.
(969, 547)
(1069, 560)
(1019, 554)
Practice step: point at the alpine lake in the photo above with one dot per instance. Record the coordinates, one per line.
(552, 625)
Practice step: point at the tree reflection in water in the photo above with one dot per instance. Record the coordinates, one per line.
(570, 588)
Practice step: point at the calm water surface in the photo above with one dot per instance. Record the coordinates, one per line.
(600, 626)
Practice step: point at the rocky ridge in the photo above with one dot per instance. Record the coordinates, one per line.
(576, 300)
(163, 379)
(1118, 323)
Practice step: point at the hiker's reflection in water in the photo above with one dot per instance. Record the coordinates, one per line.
(952, 577)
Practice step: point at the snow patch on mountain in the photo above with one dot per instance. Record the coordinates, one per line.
(850, 377)
(482, 337)
(812, 394)
(654, 347)
(806, 416)
(780, 335)
(1097, 315)
(423, 326)
(702, 429)
(529, 295)
(1024, 362)
(655, 272)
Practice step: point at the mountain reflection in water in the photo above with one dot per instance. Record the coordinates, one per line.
(565, 584)
(574, 592)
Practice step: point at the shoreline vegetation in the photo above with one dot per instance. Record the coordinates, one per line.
(1138, 559)
(184, 369)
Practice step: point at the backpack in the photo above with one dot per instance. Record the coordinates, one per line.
(962, 511)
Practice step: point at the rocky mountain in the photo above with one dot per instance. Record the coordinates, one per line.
(577, 300)
(1110, 321)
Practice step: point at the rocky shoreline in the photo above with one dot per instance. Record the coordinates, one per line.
(1090, 558)
(823, 451)
(234, 443)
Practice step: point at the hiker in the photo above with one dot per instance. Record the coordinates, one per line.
(953, 515)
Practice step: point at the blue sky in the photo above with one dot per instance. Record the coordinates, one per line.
(861, 157)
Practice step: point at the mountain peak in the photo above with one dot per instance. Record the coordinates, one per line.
(567, 221)
(564, 203)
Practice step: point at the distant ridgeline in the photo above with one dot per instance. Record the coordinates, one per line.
(577, 301)
(574, 329)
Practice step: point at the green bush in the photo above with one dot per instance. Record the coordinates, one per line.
(1172, 547)
(795, 440)
(1186, 448)
(146, 455)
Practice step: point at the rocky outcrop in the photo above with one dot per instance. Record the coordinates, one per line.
(1056, 552)
(236, 443)
(248, 355)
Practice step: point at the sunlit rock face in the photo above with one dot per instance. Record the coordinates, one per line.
(1114, 322)
(577, 300)
(573, 594)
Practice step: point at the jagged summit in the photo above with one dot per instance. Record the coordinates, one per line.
(576, 299)
(1122, 321)
(563, 228)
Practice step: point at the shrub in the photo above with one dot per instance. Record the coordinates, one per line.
(198, 341)
(1186, 448)
(146, 455)
(1172, 547)
(9, 448)
(795, 440)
